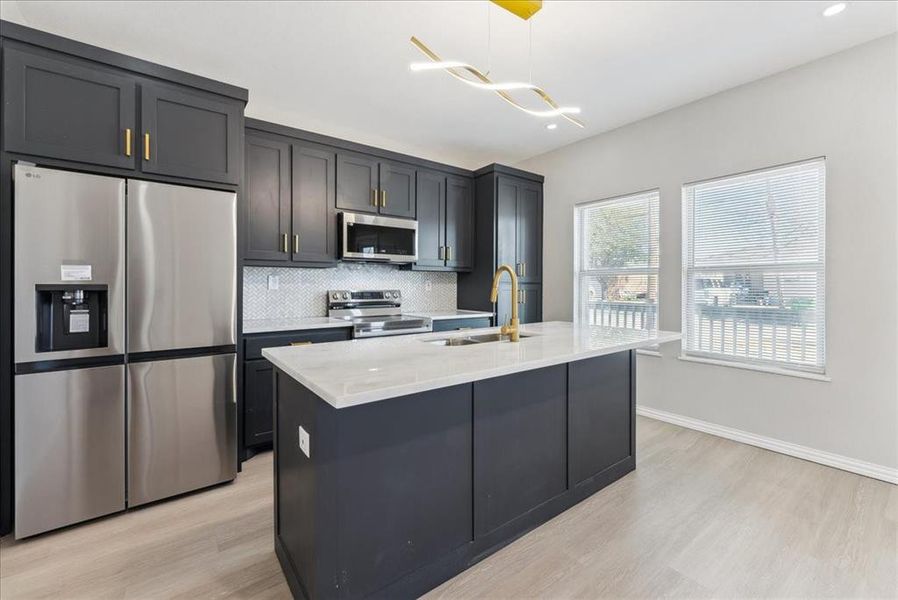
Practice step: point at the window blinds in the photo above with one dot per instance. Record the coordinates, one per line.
(617, 261)
(753, 266)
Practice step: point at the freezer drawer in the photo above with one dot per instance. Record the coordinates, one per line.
(182, 267)
(182, 425)
(69, 447)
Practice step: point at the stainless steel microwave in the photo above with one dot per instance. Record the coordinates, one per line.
(376, 238)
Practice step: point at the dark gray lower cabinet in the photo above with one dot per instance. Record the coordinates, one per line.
(520, 452)
(68, 109)
(190, 135)
(456, 324)
(529, 301)
(399, 495)
(257, 420)
(531, 306)
(257, 412)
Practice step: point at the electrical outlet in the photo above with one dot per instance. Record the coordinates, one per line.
(274, 282)
(304, 441)
(428, 285)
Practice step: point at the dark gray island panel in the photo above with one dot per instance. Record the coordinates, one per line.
(403, 489)
(519, 444)
(399, 495)
(600, 414)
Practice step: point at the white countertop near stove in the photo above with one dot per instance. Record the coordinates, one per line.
(291, 324)
(443, 315)
(356, 372)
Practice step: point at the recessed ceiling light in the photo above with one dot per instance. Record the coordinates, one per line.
(834, 9)
(552, 126)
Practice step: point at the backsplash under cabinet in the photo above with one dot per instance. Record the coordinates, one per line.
(301, 292)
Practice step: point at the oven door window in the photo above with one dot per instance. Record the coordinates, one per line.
(375, 240)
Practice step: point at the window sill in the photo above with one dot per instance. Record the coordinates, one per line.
(759, 368)
(648, 352)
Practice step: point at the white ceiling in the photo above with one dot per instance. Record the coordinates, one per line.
(341, 68)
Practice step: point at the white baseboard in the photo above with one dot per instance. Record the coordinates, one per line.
(829, 459)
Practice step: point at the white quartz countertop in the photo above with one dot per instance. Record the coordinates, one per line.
(443, 315)
(297, 323)
(291, 324)
(356, 372)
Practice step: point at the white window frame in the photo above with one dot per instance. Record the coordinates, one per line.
(688, 270)
(578, 254)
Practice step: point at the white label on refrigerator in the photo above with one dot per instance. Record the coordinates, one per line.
(75, 272)
(79, 321)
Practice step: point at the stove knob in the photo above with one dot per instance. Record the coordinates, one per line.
(345, 296)
(335, 295)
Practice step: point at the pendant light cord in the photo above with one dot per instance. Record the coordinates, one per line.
(489, 37)
(530, 52)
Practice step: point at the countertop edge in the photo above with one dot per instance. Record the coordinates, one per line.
(448, 381)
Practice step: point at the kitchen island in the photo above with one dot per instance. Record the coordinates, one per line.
(400, 462)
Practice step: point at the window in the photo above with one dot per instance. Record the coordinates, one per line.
(617, 262)
(753, 265)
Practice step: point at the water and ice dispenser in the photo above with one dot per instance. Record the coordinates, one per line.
(71, 317)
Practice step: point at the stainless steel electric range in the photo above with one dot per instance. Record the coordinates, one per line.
(374, 313)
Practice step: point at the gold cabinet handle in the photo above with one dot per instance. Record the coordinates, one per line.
(300, 343)
(146, 146)
(295, 243)
(383, 198)
(442, 253)
(448, 252)
(523, 269)
(284, 242)
(128, 142)
(374, 197)
(523, 296)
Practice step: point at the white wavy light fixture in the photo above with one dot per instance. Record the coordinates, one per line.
(482, 82)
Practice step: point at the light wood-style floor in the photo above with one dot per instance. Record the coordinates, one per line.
(700, 517)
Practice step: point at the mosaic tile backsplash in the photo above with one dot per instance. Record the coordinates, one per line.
(301, 292)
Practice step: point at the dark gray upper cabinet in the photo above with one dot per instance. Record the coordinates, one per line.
(445, 211)
(431, 209)
(507, 224)
(459, 223)
(266, 199)
(508, 229)
(397, 190)
(519, 215)
(185, 134)
(366, 184)
(68, 109)
(314, 237)
(529, 236)
(357, 183)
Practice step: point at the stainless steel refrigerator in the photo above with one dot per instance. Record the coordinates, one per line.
(124, 311)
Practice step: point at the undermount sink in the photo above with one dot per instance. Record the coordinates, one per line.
(470, 340)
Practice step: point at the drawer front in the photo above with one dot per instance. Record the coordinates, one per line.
(253, 344)
(454, 324)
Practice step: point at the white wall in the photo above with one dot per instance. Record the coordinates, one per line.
(842, 106)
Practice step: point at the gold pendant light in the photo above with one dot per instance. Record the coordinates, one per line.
(472, 76)
(480, 81)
